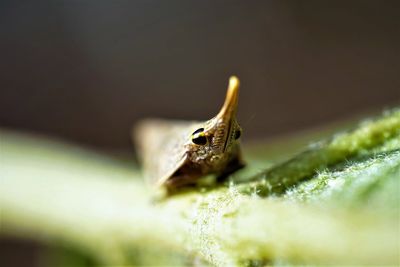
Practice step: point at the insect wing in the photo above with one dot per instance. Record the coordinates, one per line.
(161, 147)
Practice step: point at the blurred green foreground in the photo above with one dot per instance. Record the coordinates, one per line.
(335, 202)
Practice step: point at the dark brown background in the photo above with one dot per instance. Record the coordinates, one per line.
(87, 70)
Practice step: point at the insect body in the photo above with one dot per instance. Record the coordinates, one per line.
(178, 153)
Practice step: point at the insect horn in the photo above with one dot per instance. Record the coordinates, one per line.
(228, 110)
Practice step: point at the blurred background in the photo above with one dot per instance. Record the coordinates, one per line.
(86, 71)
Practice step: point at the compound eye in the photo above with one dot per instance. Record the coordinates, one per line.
(238, 133)
(199, 137)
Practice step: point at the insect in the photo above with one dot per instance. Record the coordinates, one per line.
(177, 153)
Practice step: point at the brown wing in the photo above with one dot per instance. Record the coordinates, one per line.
(160, 145)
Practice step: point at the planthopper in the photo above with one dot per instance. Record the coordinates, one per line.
(176, 154)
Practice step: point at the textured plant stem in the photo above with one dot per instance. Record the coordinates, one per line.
(341, 147)
(107, 217)
(59, 193)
